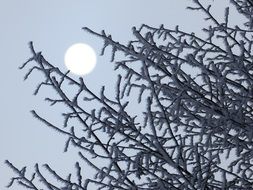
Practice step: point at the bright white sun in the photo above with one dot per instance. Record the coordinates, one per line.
(80, 59)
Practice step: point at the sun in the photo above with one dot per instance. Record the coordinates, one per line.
(80, 59)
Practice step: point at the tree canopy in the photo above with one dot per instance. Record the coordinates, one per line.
(195, 129)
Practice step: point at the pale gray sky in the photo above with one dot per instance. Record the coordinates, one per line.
(54, 25)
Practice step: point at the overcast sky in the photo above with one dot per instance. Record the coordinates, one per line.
(54, 25)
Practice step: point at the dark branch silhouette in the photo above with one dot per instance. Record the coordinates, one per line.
(196, 127)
